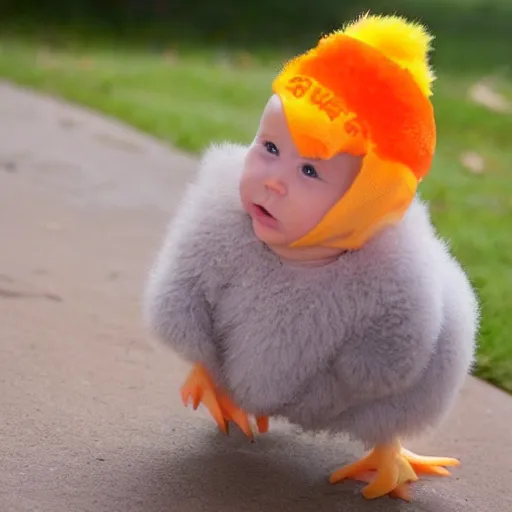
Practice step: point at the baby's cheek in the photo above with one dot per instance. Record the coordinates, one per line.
(301, 223)
(245, 189)
(311, 212)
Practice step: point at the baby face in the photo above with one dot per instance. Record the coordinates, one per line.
(285, 194)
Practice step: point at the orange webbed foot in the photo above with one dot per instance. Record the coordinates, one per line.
(390, 469)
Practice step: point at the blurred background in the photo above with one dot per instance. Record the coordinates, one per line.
(194, 72)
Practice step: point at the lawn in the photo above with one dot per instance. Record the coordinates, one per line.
(190, 96)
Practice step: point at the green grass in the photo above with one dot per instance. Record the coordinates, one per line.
(192, 96)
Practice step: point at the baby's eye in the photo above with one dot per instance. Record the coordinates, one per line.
(271, 147)
(309, 171)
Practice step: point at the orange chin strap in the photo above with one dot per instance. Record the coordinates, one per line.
(347, 96)
(379, 197)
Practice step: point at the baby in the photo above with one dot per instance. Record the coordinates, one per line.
(302, 277)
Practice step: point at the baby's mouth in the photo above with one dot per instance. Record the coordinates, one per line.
(264, 211)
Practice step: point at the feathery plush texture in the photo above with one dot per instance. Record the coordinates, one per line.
(375, 345)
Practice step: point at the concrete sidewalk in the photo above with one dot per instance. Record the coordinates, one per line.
(90, 417)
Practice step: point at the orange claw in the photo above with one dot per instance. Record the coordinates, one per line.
(232, 413)
(200, 388)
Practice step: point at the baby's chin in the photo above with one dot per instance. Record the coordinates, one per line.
(273, 237)
(280, 245)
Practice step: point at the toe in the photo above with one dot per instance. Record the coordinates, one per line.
(430, 465)
(402, 492)
(241, 419)
(262, 423)
(432, 461)
(354, 471)
(233, 413)
(385, 482)
(210, 402)
(425, 469)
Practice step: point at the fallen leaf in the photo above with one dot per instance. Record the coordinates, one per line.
(171, 56)
(439, 205)
(47, 60)
(483, 94)
(244, 60)
(472, 161)
(223, 59)
(86, 63)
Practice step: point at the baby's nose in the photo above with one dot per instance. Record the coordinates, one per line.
(275, 185)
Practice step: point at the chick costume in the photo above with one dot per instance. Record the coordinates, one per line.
(380, 356)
